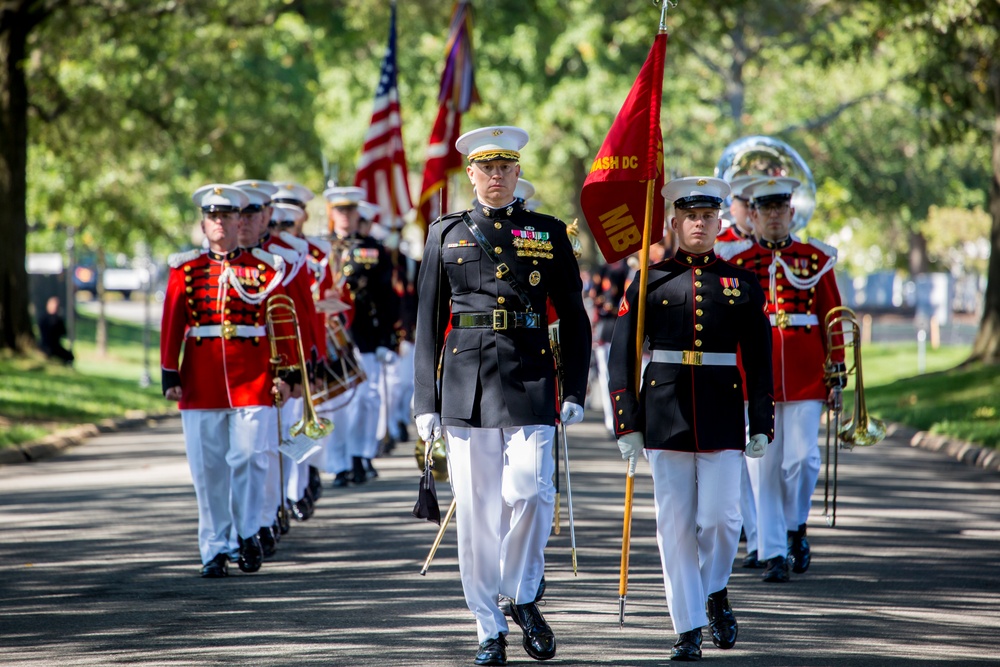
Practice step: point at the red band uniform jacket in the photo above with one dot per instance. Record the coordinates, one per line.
(694, 303)
(229, 366)
(498, 378)
(800, 287)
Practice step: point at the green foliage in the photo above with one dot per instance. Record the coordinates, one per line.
(963, 403)
(137, 104)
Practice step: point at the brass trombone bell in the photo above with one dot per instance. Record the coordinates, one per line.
(281, 311)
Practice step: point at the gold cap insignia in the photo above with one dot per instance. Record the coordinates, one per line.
(497, 133)
(217, 191)
(702, 181)
(772, 182)
(535, 278)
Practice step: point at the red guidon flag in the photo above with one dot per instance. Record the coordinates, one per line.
(613, 198)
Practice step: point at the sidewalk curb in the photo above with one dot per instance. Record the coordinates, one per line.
(55, 443)
(964, 452)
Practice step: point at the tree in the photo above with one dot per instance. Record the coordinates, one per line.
(957, 73)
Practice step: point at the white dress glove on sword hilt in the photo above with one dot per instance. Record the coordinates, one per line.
(428, 426)
(571, 413)
(757, 446)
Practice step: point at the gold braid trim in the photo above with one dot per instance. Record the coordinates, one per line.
(486, 156)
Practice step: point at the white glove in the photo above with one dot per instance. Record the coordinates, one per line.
(428, 426)
(631, 445)
(385, 355)
(571, 413)
(757, 446)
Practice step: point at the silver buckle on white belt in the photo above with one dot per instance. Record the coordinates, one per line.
(693, 358)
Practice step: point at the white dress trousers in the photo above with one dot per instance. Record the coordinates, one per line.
(601, 353)
(785, 477)
(222, 448)
(697, 498)
(363, 410)
(395, 393)
(296, 474)
(268, 451)
(748, 504)
(496, 474)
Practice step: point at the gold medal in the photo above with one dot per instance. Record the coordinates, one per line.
(736, 292)
(535, 278)
(348, 269)
(727, 292)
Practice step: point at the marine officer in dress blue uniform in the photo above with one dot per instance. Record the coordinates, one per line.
(488, 272)
(700, 314)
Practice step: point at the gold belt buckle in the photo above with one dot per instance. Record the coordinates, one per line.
(228, 331)
(782, 319)
(502, 270)
(499, 320)
(691, 358)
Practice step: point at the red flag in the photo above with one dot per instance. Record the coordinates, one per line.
(458, 92)
(382, 167)
(613, 198)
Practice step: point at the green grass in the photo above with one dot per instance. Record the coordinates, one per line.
(38, 396)
(962, 402)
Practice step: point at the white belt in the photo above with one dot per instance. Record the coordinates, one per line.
(226, 331)
(793, 320)
(693, 358)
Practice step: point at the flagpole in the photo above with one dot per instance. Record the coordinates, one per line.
(639, 339)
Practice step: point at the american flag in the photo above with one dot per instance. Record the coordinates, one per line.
(458, 93)
(382, 167)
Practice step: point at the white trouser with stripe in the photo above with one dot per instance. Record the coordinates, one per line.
(697, 499)
(222, 452)
(785, 477)
(748, 503)
(499, 473)
(271, 491)
(362, 412)
(395, 393)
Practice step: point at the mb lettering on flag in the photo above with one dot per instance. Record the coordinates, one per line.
(613, 198)
(382, 167)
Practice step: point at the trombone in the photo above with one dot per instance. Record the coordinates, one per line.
(281, 313)
(861, 429)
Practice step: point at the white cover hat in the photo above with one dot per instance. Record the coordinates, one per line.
(267, 186)
(220, 197)
(696, 192)
(291, 212)
(347, 195)
(292, 193)
(500, 142)
(779, 188)
(524, 190)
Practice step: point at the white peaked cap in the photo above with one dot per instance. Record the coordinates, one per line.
(220, 197)
(696, 192)
(501, 142)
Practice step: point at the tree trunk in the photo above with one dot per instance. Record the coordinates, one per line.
(15, 323)
(987, 345)
(918, 260)
(102, 320)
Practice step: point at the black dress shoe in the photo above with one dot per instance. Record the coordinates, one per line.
(752, 562)
(687, 648)
(798, 549)
(404, 432)
(358, 473)
(216, 568)
(505, 603)
(493, 651)
(386, 445)
(276, 531)
(370, 469)
(251, 554)
(299, 509)
(539, 641)
(721, 620)
(776, 570)
(268, 543)
(315, 483)
(340, 480)
(282, 521)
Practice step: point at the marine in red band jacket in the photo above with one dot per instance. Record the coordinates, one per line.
(215, 310)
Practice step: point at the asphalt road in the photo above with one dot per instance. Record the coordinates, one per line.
(99, 566)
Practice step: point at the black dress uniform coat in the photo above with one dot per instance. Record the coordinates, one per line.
(694, 303)
(368, 273)
(497, 378)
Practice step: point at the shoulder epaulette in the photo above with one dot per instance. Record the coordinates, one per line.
(826, 248)
(179, 259)
(286, 254)
(323, 245)
(272, 259)
(728, 249)
(300, 245)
